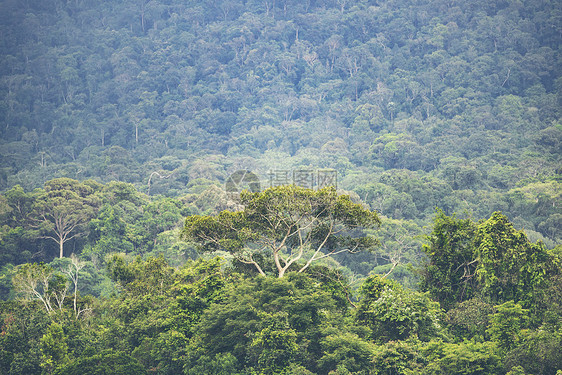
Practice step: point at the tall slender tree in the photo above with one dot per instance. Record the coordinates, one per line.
(63, 210)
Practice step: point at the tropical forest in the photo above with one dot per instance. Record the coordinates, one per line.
(296, 187)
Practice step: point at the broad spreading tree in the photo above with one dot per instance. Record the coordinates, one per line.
(291, 225)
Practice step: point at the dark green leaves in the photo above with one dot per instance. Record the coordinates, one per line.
(490, 259)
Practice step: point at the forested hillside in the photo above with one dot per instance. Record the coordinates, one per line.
(122, 250)
(416, 104)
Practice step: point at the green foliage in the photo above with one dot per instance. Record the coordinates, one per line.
(54, 349)
(105, 362)
(464, 99)
(33, 281)
(449, 274)
(437, 357)
(197, 319)
(220, 364)
(464, 358)
(197, 286)
(94, 219)
(160, 306)
(269, 324)
(108, 232)
(551, 303)
(346, 352)
(538, 353)
(63, 210)
(274, 347)
(289, 224)
(370, 291)
(397, 357)
(22, 327)
(152, 276)
(418, 105)
(490, 260)
(506, 325)
(517, 370)
(394, 313)
(469, 319)
(334, 282)
(510, 267)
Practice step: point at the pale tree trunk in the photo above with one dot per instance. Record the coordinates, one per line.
(280, 269)
(253, 262)
(72, 272)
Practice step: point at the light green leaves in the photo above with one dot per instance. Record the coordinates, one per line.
(292, 224)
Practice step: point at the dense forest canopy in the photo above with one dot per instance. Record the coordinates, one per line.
(123, 125)
(416, 104)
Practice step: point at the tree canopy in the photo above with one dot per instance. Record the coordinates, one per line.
(293, 225)
(415, 104)
(442, 121)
